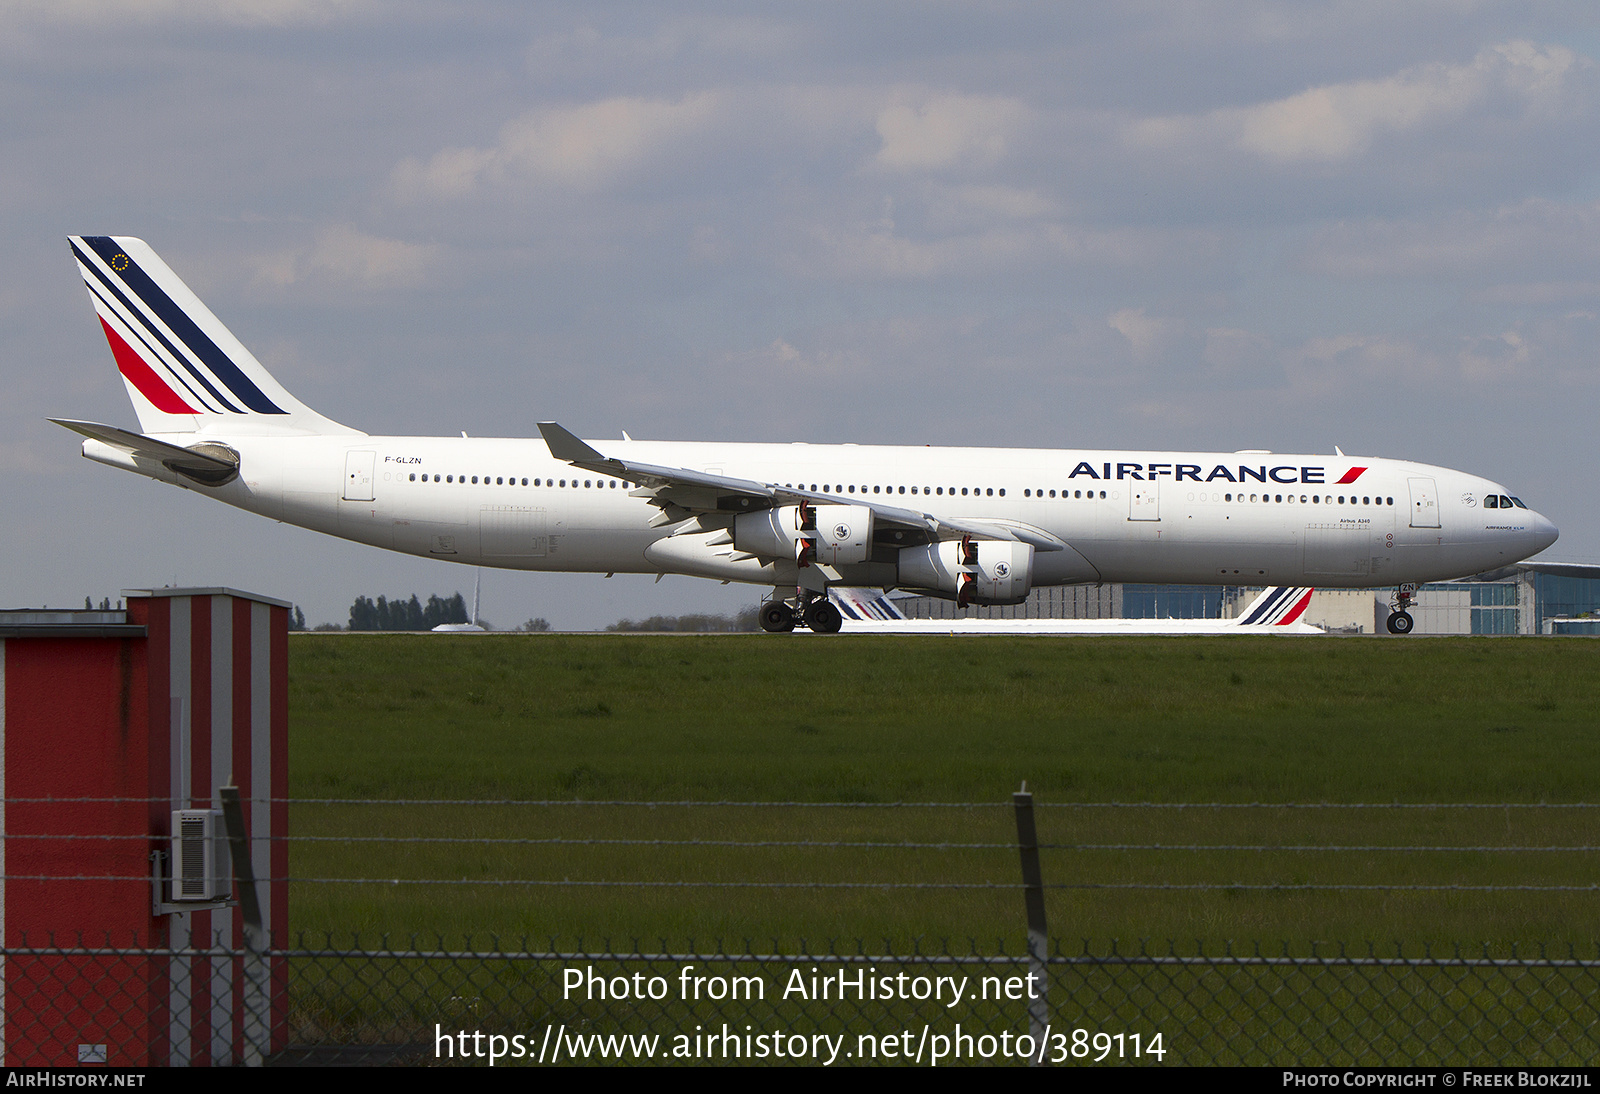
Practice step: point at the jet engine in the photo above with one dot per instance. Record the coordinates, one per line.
(834, 535)
(969, 571)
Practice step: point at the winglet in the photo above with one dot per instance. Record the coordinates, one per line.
(565, 446)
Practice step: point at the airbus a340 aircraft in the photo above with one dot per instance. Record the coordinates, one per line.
(976, 525)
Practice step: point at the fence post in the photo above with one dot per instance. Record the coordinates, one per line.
(1033, 894)
(256, 980)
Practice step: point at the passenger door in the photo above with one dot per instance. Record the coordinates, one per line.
(1144, 500)
(358, 475)
(1424, 503)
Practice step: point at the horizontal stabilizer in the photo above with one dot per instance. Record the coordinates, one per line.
(148, 447)
(208, 464)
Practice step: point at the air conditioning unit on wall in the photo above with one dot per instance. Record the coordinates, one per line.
(202, 868)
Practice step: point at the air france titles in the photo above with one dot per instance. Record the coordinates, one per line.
(1194, 472)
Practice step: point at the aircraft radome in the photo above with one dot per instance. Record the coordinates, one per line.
(975, 525)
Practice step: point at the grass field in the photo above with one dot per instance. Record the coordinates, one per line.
(867, 719)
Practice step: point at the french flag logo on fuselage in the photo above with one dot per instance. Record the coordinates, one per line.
(159, 348)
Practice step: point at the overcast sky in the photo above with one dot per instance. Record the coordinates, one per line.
(1204, 225)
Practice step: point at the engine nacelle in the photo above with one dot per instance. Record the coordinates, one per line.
(970, 571)
(843, 534)
(835, 535)
(770, 533)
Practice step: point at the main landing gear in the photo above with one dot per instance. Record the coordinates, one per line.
(1400, 621)
(814, 610)
(822, 617)
(776, 617)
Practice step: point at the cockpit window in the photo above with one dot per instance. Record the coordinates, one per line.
(1491, 501)
(1505, 502)
(1514, 501)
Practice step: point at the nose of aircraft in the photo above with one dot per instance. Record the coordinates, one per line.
(1541, 533)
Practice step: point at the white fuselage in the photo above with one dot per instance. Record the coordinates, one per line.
(1235, 519)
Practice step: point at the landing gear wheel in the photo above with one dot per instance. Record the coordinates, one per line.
(777, 617)
(1405, 595)
(823, 618)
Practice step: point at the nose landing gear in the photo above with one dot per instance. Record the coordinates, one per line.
(1400, 621)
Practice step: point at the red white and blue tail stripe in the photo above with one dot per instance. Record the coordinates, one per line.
(1278, 606)
(863, 604)
(184, 370)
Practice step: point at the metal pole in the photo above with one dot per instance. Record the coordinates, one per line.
(1033, 894)
(256, 978)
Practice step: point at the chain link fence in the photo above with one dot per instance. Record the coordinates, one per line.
(476, 1006)
(206, 997)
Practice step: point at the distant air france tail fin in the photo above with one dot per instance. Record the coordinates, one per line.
(861, 603)
(1279, 606)
(184, 370)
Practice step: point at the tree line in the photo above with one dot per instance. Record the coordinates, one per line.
(746, 620)
(411, 614)
(384, 614)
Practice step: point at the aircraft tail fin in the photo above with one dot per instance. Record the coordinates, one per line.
(862, 603)
(1278, 606)
(185, 372)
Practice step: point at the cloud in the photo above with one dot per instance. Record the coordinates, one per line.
(676, 40)
(965, 208)
(1537, 237)
(1541, 294)
(582, 147)
(1240, 357)
(1339, 122)
(947, 130)
(783, 362)
(1325, 367)
(878, 250)
(249, 13)
(343, 255)
(880, 253)
(1147, 335)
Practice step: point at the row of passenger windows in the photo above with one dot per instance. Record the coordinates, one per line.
(503, 480)
(1314, 499)
(851, 488)
(1491, 501)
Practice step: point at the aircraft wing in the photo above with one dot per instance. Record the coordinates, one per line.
(691, 492)
(148, 447)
